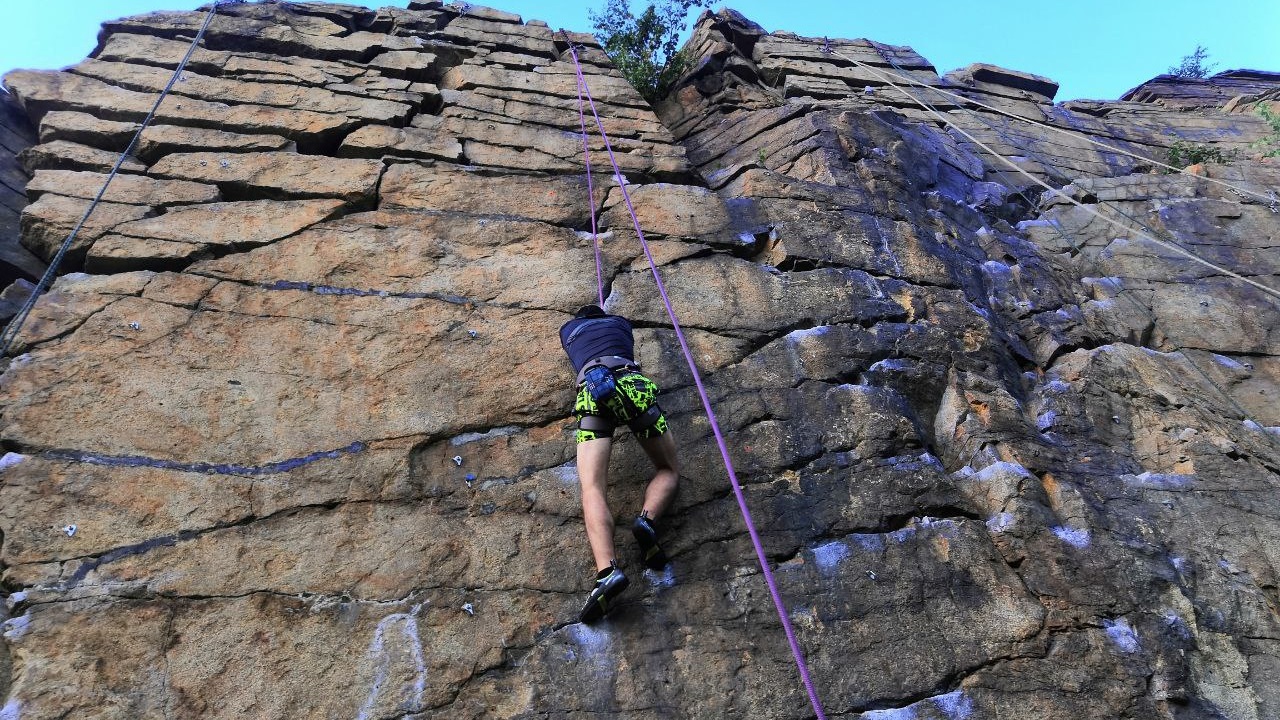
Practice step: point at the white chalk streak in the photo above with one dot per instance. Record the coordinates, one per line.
(10, 459)
(382, 658)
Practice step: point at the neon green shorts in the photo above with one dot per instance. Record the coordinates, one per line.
(635, 394)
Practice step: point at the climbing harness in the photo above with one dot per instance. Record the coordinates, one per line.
(600, 383)
(617, 363)
(600, 377)
(884, 76)
(596, 424)
(15, 325)
(702, 394)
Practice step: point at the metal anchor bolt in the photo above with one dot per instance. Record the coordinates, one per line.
(457, 460)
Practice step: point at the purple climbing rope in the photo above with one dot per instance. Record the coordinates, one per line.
(706, 402)
(591, 195)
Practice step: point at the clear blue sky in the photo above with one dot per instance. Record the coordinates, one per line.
(1093, 48)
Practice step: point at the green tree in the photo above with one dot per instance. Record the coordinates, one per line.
(1193, 65)
(644, 47)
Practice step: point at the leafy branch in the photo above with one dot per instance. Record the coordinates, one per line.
(1193, 65)
(644, 47)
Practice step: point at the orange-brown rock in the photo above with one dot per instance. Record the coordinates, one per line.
(132, 189)
(47, 222)
(301, 443)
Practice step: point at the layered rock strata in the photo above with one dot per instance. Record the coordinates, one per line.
(1211, 92)
(16, 135)
(1053, 408)
(292, 437)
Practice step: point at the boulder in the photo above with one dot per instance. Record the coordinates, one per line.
(1185, 93)
(184, 234)
(993, 78)
(85, 129)
(559, 200)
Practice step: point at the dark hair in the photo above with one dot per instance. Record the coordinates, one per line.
(589, 311)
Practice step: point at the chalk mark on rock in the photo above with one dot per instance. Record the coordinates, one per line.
(382, 657)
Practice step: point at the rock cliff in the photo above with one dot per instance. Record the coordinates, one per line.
(16, 135)
(291, 438)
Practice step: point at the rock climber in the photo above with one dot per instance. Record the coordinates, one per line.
(612, 392)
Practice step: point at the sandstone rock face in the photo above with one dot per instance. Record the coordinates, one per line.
(291, 436)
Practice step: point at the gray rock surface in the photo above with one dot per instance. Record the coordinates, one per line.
(1007, 460)
(1211, 92)
(16, 136)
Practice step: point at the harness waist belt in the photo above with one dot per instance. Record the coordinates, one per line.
(613, 362)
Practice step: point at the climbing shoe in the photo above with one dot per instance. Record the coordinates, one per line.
(610, 583)
(650, 551)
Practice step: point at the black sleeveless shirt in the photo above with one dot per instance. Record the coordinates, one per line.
(585, 339)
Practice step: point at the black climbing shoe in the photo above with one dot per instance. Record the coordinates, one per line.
(647, 537)
(610, 583)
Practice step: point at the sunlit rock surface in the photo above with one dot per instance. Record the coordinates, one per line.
(290, 437)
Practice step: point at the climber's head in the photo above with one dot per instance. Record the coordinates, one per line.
(589, 311)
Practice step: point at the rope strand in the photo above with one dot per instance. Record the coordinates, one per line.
(1092, 211)
(706, 405)
(591, 195)
(1070, 133)
(15, 325)
(1140, 307)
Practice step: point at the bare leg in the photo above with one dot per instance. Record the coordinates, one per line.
(666, 477)
(593, 471)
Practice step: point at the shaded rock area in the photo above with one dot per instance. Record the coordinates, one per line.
(1086, 391)
(16, 136)
(1191, 93)
(291, 435)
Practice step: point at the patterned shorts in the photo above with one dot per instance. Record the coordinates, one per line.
(635, 394)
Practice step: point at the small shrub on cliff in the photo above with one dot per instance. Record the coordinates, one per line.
(1270, 143)
(644, 47)
(1193, 65)
(1185, 154)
